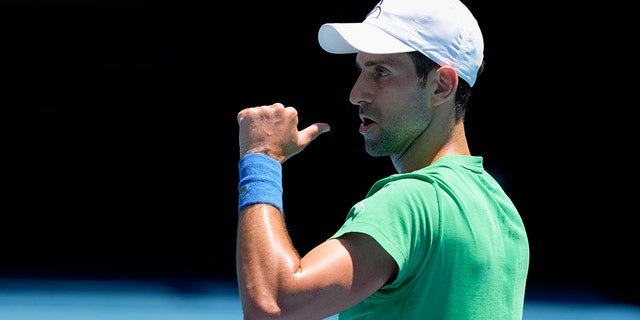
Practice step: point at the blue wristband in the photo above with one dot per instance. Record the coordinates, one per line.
(260, 181)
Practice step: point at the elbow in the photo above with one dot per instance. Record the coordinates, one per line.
(255, 311)
(264, 308)
(260, 309)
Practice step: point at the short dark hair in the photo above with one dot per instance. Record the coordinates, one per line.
(424, 65)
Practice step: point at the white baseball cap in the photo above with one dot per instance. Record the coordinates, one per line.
(443, 30)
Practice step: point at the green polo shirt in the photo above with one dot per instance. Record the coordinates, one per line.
(457, 238)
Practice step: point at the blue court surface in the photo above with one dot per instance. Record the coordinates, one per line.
(154, 300)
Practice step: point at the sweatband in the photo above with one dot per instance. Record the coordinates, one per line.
(260, 181)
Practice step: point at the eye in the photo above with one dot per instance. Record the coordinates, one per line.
(381, 72)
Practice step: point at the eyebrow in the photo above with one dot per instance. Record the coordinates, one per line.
(371, 63)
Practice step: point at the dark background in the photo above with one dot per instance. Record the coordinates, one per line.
(119, 136)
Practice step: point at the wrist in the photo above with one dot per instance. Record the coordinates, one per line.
(260, 181)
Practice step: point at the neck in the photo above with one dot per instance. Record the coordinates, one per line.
(430, 147)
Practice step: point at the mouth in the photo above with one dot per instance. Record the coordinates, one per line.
(366, 125)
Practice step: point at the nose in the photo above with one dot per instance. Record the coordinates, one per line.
(359, 94)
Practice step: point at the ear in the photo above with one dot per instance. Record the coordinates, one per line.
(447, 80)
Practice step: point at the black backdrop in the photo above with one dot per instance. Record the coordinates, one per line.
(119, 137)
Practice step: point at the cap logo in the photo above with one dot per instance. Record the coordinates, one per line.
(377, 10)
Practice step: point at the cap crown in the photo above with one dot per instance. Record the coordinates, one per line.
(443, 30)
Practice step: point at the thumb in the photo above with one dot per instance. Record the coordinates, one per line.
(311, 132)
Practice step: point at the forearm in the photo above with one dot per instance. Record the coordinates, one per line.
(266, 258)
(268, 266)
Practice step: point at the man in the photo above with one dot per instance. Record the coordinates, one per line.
(438, 240)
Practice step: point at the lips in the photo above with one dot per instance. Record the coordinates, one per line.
(366, 124)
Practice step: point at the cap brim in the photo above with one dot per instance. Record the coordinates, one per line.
(354, 37)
